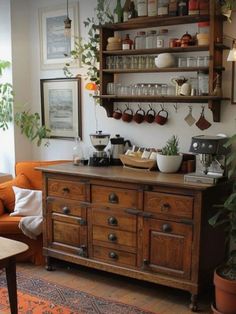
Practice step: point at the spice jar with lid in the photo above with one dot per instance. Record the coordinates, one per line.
(163, 7)
(151, 39)
(140, 40)
(127, 43)
(183, 7)
(161, 38)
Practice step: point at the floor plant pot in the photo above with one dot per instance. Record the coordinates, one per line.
(225, 294)
(169, 163)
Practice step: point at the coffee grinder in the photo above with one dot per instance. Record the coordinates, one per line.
(100, 158)
(210, 159)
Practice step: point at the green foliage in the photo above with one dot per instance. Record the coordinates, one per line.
(88, 49)
(28, 123)
(172, 147)
(226, 213)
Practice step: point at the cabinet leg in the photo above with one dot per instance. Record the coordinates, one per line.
(48, 265)
(193, 304)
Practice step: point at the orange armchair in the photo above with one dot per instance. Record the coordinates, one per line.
(26, 177)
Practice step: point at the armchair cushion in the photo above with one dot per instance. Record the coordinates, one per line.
(7, 195)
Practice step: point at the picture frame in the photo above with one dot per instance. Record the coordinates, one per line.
(55, 46)
(233, 86)
(61, 107)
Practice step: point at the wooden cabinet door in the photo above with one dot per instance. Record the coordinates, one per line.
(66, 232)
(167, 247)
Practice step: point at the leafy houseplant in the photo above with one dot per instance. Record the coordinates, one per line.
(226, 7)
(169, 160)
(29, 123)
(88, 49)
(225, 275)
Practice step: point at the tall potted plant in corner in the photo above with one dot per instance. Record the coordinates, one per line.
(169, 159)
(29, 123)
(225, 274)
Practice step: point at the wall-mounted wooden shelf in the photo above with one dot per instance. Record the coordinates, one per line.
(162, 70)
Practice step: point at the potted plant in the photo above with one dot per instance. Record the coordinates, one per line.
(225, 274)
(226, 7)
(29, 123)
(169, 159)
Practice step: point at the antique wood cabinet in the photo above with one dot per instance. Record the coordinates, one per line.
(145, 225)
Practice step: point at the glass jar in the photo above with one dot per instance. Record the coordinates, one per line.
(182, 7)
(191, 62)
(203, 83)
(80, 153)
(151, 39)
(163, 7)
(161, 38)
(200, 61)
(140, 40)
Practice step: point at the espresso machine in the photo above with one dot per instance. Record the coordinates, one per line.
(210, 159)
(100, 157)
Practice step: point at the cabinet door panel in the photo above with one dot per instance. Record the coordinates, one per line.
(167, 247)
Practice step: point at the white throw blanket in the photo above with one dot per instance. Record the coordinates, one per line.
(31, 226)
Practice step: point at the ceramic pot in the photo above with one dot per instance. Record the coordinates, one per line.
(165, 60)
(225, 294)
(169, 164)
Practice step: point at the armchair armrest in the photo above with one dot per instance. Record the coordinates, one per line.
(2, 211)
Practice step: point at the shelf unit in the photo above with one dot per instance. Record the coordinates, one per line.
(215, 63)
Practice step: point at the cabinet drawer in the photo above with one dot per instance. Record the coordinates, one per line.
(114, 256)
(67, 189)
(174, 205)
(115, 237)
(64, 206)
(110, 195)
(116, 219)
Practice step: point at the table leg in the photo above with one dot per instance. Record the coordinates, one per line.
(11, 284)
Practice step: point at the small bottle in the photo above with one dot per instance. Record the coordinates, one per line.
(142, 7)
(140, 40)
(152, 7)
(183, 7)
(118, 12)
(193, 7)
(78, 155)
(126, 10)
(132, 12)
(127, 43)
(173, 7)
(163, 7)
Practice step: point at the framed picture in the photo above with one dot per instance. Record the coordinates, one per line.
(233, 87)
(55, 46)
(61, 107)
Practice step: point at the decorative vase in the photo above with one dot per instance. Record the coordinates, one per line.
(225, 294)
(169, 163)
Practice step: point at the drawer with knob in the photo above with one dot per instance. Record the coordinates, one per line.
(64, 206)
(107, 195)
(73, 190)
(114, 238)
(114, 256)
(169, 204)
(114, 218)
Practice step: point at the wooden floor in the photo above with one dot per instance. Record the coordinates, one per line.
(155, 298)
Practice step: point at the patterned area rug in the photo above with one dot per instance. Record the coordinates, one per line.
(37, 296)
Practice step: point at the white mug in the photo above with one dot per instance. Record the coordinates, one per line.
(185, 89)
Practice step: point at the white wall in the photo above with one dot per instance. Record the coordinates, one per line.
(144, 135)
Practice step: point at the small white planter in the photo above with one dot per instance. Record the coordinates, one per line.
(169, 164)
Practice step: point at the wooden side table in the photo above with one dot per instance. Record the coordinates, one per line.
(5, 177)
(9, 249)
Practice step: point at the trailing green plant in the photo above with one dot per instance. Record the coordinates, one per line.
(226, 7)
(226, 214)
(87, 50)
(172, 147)
(29, 123)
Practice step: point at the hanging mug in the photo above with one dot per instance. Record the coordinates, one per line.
(139, 116)
(117, 114)
(150, 116)
(161, 117)
(127, 115)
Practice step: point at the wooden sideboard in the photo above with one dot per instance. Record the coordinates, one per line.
(145, 225)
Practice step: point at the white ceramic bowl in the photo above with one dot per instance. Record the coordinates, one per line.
(165, 60)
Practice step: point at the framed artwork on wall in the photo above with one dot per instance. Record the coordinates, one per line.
(233, 88)
(55, 46)
(61, 107)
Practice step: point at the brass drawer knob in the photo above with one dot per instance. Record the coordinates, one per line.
(112, 221)
(166, 228)
(65, 210)
(113, 198)
(112, 237)
(113, 255)
(66, 190)
(165, 207)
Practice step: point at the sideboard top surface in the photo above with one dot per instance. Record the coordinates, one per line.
(121, 174)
